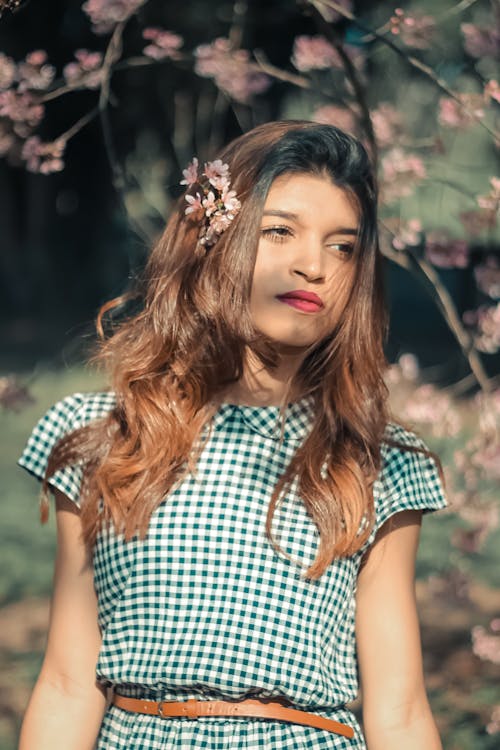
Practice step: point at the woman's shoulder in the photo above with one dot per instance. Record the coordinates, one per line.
(398, 438)
(79, 409)
(409, 478)
(66, 415)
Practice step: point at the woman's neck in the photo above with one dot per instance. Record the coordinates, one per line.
(260, 386)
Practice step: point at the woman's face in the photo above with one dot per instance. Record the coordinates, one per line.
(308, 231)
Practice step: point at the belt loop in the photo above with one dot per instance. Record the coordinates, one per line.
(160, 709)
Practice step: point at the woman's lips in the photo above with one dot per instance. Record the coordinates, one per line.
(301, 304)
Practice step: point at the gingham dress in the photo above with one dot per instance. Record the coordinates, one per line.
(205, 608)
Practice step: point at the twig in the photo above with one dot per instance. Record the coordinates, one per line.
(74, 129)
(354, 80)
(282, 75)
(112, 54)
(409, 262)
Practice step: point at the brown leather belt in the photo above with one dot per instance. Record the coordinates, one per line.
(192, 709)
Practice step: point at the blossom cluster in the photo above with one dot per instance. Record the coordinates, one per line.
(481, 41)
(487, 275)
(218, 204)
(415, 29)
(317, 53)
(401, 172)
(408, 234)
(104, 14)
(231, 69)
(85, 70)
(461, 114)
(487, 645)
(43, 157)
(445, 251)
(486, 324)
(21, 110)
(387, 124)
(163, 44)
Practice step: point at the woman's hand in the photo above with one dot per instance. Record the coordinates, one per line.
(67, 705)
(396, 712)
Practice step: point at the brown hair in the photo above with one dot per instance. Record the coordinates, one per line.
(167, 362)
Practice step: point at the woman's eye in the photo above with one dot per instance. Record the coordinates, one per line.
(343, 247)
(276, 234)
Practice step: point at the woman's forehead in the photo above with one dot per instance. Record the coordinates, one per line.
(305, 194)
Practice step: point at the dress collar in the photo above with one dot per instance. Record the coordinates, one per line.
(266, 420)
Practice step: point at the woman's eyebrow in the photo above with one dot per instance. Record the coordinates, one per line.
(283, 214)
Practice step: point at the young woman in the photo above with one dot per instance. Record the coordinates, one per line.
(238, 518)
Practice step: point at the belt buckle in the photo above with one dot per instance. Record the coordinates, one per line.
(188, 709)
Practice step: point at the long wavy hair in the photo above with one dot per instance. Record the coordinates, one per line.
(168, 362)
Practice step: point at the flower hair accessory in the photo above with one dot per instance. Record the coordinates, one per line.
(218, 203)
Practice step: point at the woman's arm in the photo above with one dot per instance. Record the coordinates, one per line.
(67, 705)
(396, 712)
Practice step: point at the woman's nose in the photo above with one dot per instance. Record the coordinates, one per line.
(309, 261)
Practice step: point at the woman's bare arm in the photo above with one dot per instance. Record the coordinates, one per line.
(396, 712)
(67, 705)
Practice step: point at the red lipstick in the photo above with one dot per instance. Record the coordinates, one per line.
(302, 300)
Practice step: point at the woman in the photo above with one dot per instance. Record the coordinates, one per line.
(237, 517)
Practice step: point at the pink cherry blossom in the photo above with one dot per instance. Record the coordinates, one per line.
(215, 168)
(493, 726)
(401, 173)
(477, 221)
(341, 117)
(231, 70)
(433, 408)
(43, 157)
(485, 645)
(210, 203)
(387, 124)
(7, 71)
(486, 321)
(317, 53)
(195, 204)
(492, 90)
(21, 107)
(444, 251)
(408, 364)
(164, 44)
(220, 222)
(218, 174)
(190, 173)
(415, 30)
(85, 71)
(35, 72)
(481, 41)
(487, 459)
(409, 234)
(487, 276)
(460, 114)
(314, 53)
(105, 14)
(491, 201)
(231, 202)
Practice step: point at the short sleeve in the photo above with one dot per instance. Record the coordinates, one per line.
(408, 480)
(69, 414)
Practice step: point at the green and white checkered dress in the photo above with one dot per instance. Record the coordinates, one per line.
(205, 608)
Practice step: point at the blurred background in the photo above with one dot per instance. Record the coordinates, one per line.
(103, 103)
